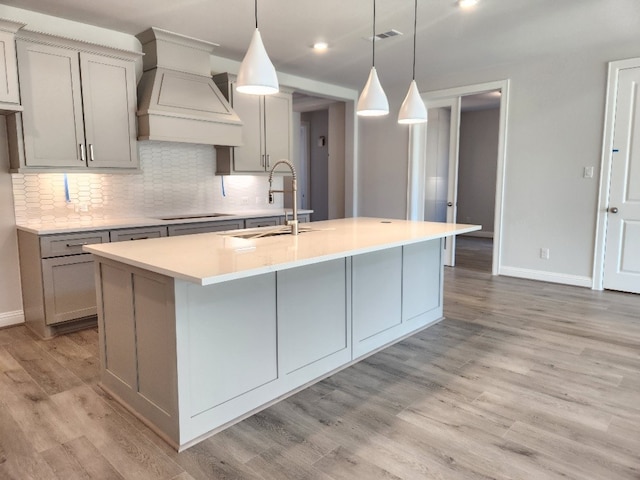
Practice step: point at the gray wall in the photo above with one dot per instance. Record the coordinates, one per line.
(336, 174)
(10, 294)
(477, 165)
(555, 125)
(319, 168)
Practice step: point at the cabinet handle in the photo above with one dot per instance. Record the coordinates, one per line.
(91, 157)
(82, 156)
(262, 160)
(69, 245)
(268, 160)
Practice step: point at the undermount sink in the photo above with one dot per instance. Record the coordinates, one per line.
(193, 216)
(263, 233)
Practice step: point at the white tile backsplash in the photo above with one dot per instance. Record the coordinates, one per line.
(176, 178)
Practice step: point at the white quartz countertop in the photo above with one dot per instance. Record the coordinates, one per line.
(89, 224)
(209, 258)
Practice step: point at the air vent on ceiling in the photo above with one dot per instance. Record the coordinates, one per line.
(384, 35)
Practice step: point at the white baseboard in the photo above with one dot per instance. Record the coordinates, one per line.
(7, 319)
(478, 233)
(575, 280)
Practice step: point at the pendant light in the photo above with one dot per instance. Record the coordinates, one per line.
(373, 102)
(413, 109)
(257, 75)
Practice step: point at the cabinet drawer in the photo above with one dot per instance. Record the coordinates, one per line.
(262, 222)
(137, 233)
(205, 227)
(71, 244)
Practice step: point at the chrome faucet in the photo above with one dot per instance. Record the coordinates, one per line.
(294, 189)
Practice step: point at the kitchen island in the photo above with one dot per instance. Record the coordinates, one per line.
(200, 331)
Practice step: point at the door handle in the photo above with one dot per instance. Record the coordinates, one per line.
(613, 210)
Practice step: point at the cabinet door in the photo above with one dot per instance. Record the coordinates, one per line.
(8, 69)
(51, 98)
(69, 288)
(277, 128)
(248, 157)
(108, 93)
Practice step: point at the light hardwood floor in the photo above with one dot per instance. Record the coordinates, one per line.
(523, 380)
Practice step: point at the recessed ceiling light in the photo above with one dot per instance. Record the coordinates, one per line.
(467, 3)
(320, 46)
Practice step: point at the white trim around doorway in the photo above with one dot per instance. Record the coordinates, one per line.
(417, 155)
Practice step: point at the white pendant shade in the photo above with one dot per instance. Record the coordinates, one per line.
(257, 75)
(413, 109)
(373, 101)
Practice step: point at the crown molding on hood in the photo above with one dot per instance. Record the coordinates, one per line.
(177, 98)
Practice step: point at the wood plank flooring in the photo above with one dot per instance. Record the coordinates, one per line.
(523, 380)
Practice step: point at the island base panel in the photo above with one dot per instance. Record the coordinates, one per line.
(258, 338)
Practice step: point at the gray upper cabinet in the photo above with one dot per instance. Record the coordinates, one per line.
(78, 108)
(266, 133)
(9, 92)
(109, 97)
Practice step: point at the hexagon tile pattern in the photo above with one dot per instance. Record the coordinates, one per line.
(175, 178)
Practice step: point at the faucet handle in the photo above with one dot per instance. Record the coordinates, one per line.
(294, 226)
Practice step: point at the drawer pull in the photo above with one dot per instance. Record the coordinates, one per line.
(69, 245)
(138, 238)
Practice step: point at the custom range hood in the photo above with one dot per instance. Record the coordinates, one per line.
(177, 99)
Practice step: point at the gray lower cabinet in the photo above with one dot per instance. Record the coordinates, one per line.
(58, 285)
(273, 221)
(263, 222)
(69, 290)
(140, 233)
(205, 227)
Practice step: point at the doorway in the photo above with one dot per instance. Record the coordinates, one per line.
(419, 182)
(320, 155)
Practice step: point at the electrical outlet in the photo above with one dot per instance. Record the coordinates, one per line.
(588, 172)
(544, 253)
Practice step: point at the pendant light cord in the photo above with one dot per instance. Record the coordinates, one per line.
(415, 26)
(256, 11)
(373, 37)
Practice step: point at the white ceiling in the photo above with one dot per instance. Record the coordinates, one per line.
(493, 33)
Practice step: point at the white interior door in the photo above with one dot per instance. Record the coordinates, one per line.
(441, 176)
(452, 188)
(622, 245)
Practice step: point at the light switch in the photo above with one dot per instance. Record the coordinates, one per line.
(588, 172)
